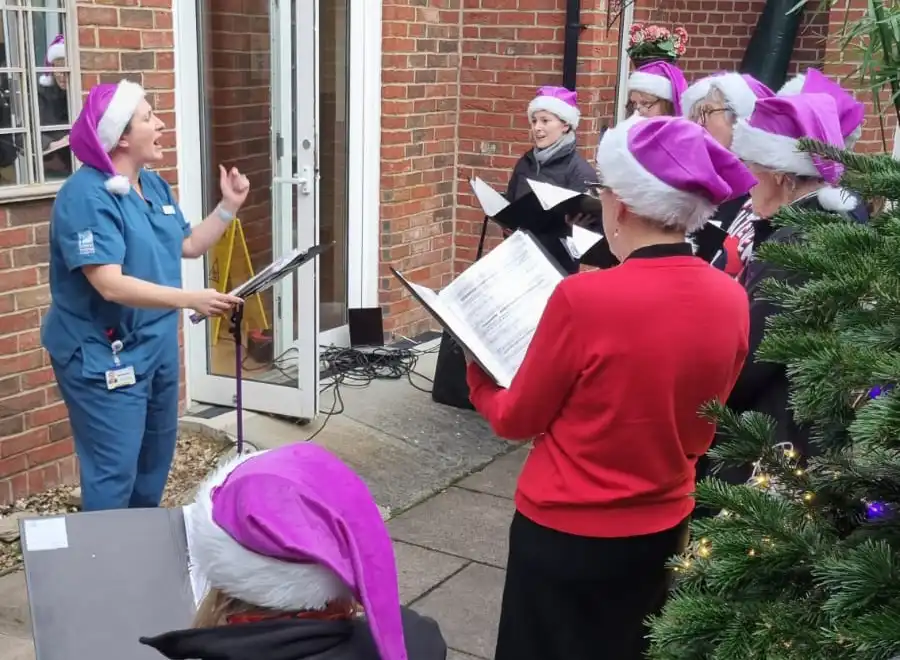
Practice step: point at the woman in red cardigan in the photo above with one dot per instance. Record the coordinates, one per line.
(610, 388)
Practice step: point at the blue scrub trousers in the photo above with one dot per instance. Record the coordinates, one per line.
(124, 438)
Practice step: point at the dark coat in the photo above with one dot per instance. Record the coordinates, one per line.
(298, 639)
(567, 169)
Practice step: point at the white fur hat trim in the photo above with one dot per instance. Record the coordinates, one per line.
(648, 83)
(125, 100)
(56, 52)
(642, 192)
(568, 113)
(775, 152)
(248, 576)
(793, 86)
(695, 93)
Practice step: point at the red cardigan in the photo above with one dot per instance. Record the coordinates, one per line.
(619, 365)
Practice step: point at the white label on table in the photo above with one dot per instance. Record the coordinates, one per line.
(45, 534)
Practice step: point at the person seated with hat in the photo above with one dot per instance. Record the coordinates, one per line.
(656, 85)
(610, 389)
(300, 565)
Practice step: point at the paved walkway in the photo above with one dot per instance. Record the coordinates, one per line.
(451, 553)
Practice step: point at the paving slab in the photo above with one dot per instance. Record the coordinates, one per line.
(461, 523)
(500, 477)
(467, 607)
(15, 618)
(420, 570)
(15, 648)
(459, 655)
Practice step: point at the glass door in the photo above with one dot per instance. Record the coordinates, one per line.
(257, 108)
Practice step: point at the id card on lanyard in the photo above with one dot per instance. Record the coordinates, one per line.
(119, 376)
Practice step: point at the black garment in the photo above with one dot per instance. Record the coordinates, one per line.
(763, 386)
(727, 212)
(298, 639)
(570, 597)
(567, 169)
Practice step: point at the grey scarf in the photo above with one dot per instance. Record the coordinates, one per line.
(562, 147)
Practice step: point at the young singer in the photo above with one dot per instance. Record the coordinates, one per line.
(117, 237)
(610, 388)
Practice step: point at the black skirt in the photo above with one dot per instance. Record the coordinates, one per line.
(571, 597)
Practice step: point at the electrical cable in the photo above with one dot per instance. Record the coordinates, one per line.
(342, 367)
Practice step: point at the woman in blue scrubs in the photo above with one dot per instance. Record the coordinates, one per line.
(117, 238)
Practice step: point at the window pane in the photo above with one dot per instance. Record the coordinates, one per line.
(53, 124)
(45, 4)
(11, 37)
(48, 29)
(13, 161)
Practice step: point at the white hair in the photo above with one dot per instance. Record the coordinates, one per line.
(641, 191)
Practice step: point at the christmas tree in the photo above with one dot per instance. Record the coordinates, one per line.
(803, 563)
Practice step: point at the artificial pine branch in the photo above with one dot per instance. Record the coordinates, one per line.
(804, 562)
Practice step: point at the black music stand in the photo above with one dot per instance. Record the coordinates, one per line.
(260, 282)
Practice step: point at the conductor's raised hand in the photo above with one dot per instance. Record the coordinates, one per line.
(235, 187)
(210, 302)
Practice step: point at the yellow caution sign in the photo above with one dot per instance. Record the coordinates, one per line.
(226, 273)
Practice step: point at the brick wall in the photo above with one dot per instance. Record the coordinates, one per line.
(134, 39)
(420, 106)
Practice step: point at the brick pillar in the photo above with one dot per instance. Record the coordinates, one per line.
(420, 105)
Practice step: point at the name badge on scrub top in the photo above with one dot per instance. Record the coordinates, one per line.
(168, 209)
(116, 378)
(120, 376)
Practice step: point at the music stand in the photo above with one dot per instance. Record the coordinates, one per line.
(260, 282)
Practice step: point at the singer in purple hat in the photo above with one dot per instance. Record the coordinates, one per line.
(620, 363)
(851, 112)
(117, 238)
(716, 102)
(294, 549)
(787, 177)
(655, 89)
(554, 158)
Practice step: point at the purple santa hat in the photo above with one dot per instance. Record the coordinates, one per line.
(769, 138)
(559, 101)
(660, 79)
(741, 91)
(851, 112)
(293, 529)
(55, 51)
(103, 119)
(670, 170)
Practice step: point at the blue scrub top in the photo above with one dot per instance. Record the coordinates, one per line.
(92, 226)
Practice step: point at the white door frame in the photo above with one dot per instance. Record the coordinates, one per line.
(364, 185)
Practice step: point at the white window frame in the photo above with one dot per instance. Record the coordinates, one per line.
(30, 72)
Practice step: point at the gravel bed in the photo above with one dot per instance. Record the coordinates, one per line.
(195, 455)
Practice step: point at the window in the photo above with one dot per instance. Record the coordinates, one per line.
(37, 96)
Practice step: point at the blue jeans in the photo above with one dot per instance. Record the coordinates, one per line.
(124, 438)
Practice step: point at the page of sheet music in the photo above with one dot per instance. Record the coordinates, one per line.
(459, 327)
(502, 297)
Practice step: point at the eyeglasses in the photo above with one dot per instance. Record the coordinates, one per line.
(640, 106)
(702, 117)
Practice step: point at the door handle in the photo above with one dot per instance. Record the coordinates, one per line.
(300, 180)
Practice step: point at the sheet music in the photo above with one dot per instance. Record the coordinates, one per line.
(502, 297)
(581, 241)
(492, 202)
